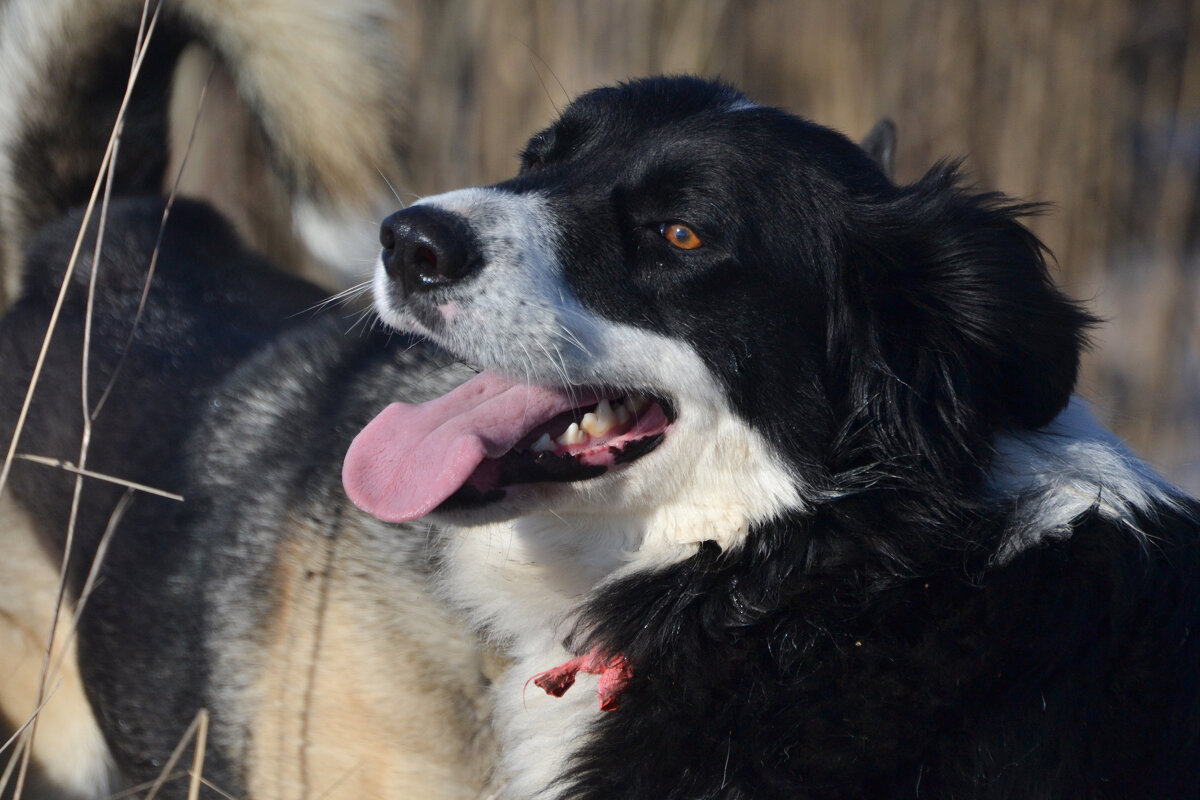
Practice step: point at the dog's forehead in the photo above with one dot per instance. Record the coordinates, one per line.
(630, 114)
(637, 133)
(657, 100)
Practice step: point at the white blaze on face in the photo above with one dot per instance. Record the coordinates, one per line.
(516, 316)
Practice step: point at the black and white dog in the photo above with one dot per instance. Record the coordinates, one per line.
(781, 460)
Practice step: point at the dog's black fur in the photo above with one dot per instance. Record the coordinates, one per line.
(211, 306)
(1070, 672)
(872, 648)
(301, 626)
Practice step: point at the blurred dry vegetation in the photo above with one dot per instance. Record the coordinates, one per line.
(1093, 105)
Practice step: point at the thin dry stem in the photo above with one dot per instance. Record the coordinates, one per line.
(201, 719)
(89, 585)
(197, 772)
(100, 476)
(84, 445)
(18, 753)
(87, 215)
(162, 227)
(213, 787)
(16, 734)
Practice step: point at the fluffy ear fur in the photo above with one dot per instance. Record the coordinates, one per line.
(950, 328)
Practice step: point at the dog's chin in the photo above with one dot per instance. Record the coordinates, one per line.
(399, 316)
(468, 508)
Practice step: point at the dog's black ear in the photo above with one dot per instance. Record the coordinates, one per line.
(954, 327)
(880, 145)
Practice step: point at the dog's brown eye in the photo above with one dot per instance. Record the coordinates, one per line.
(681, 236)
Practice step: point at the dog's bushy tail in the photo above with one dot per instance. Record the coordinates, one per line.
(302, 123)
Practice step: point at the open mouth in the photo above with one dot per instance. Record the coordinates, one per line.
(470, 447)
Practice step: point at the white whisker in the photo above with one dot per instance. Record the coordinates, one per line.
(570, 338)
(344, 297)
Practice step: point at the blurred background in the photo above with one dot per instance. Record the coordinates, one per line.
(1092, 105)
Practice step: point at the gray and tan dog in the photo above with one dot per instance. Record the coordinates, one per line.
(307, 630)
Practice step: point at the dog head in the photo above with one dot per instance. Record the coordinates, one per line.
(756, 317)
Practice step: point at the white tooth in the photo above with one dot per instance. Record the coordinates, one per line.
(622, 412)
(600, 421)
(572, 435)
(590, 424)
(543, 444)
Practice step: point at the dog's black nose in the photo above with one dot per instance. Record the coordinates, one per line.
(426, 247)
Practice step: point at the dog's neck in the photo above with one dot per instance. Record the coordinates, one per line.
(520, 580)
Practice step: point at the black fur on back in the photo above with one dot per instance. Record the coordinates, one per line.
(237, 389)
(211, 305)
(1069, 672)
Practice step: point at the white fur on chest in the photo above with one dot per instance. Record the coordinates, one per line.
(524, 599)
(521, 580)
(540, 732)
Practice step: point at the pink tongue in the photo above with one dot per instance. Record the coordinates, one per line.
(410, 458)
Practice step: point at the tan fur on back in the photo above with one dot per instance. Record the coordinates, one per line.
(354, 702)
(69, 753)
